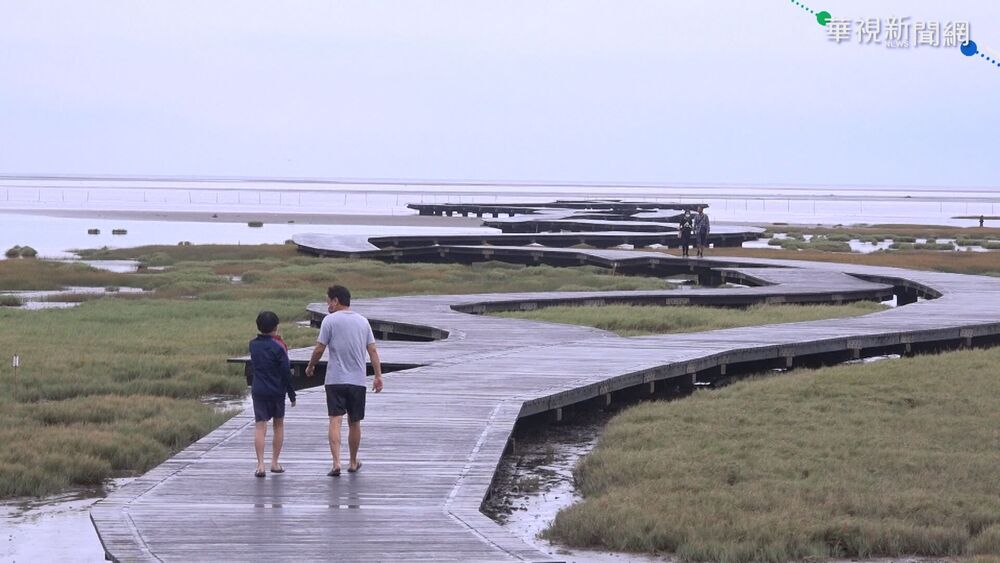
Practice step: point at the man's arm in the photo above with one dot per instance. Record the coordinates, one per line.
(316, 355)
(377, 365)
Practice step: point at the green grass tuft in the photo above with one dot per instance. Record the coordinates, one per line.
(637, 320)
(878, 460)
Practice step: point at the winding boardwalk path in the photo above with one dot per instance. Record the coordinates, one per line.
(434, 437)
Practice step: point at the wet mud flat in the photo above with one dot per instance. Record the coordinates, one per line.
(55, 528)
(535, 481)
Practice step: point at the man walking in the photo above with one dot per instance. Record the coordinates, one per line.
(348, 336)
(701, 229)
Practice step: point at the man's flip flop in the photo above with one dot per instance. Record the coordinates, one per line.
(334, 473)
(259, 474)
(278, 470)
(356, 469)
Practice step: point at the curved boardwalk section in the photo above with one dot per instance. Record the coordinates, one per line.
(434, 437)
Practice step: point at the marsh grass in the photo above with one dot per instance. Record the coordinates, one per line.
(883, 232)
(637, 320)
(113, 385)
(934, 246)
(819, 243)
(885, 459)
(82, 441)
(45, 275)
(200, 252)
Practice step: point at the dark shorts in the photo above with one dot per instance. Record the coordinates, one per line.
(344, 399)
(266, 408)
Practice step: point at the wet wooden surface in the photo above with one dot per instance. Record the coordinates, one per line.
(434, 437)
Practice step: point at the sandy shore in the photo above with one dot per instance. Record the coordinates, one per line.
(277, 217)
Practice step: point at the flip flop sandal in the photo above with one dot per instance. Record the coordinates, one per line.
(334, 472)
(259, 474)
(356, 469)
(278, 470)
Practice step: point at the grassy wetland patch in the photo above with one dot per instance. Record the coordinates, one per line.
(884, 459)
(638, 320)
(113, 386)
(908, 233)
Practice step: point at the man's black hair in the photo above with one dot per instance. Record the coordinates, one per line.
(340, 293)
(267, 321)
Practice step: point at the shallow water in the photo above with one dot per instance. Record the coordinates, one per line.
(536, 481)
(117, 266)
(39, 300)
(56, 528)
(55, 237)
(803, 204)
(226, 403)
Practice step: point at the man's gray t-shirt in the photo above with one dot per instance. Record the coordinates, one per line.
(346, 335)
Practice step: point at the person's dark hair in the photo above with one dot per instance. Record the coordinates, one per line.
(340, 293)
(267, 321)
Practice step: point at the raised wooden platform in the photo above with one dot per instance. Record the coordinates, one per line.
(348, 246)
(610, 207)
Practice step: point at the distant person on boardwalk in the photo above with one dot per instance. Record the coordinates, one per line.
(348, 335)
(982, 220)
(685, 228)
(702, 227)
(272, 380)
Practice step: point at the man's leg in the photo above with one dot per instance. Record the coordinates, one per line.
(335, 440)
(354, 441)
(279, 438)
(260, 431)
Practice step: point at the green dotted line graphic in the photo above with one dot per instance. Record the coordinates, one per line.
(822, 18)
(803, 6)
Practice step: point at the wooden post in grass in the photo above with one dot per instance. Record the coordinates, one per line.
(15, 362)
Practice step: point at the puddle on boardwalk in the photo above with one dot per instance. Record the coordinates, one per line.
(55, 528)
(536, 481)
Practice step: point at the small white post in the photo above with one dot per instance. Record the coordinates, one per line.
(15, 362)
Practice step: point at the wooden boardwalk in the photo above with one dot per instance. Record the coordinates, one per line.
(363, 246)
(434, 437)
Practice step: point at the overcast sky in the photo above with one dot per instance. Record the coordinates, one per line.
(728, 91)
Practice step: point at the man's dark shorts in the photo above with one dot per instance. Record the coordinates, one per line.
(265, 408)
(346, 399)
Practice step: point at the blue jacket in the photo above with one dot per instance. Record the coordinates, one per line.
(272, 374)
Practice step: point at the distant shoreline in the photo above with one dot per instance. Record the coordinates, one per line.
(264, 217)
(213, 181)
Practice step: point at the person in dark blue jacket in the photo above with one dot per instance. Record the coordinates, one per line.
(272, 379)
